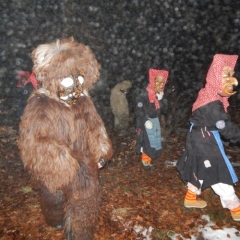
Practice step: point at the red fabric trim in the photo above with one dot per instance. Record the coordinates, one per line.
(32, 79)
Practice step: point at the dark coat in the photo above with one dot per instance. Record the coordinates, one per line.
(145, 110)
(203, 158)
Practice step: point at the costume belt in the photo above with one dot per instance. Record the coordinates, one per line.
(203, 128)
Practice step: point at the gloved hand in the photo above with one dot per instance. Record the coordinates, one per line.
(148, 124)
(101, 163)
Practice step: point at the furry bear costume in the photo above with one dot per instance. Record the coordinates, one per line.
(119, 105)
(62, 137)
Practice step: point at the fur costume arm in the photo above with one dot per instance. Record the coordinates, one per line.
(44, 142)
(98, 144)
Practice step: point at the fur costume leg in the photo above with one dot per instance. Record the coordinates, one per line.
(117, 122)
(82, 204)
(52, 206)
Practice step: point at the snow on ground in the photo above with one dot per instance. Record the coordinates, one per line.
(208, 233)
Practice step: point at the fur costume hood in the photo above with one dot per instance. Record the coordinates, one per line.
(63, 58)
(123, 86)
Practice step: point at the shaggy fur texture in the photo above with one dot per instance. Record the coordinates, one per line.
(61, 144)
(119, 105)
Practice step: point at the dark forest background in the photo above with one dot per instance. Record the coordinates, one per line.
(128, 38)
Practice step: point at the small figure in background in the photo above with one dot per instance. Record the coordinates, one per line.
(204, 163)
(150, 104)
(119, 105)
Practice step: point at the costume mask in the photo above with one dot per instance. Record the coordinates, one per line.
(71, 88)
(157, 81)
(158, 84)
(213, 90)
(228, 82)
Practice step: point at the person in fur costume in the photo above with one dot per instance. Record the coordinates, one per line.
(150, 104)
(204, 162)
(63, 140)
(119, 105)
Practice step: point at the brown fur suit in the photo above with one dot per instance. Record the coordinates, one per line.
(119, 105)
(61, 143)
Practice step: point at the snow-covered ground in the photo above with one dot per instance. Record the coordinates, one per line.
(209, 233)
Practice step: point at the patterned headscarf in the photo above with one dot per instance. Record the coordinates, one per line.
(153, 73)
(32, 79)
(213, 84)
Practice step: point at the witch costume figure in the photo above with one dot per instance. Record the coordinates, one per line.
(150, 104)
(204, 162)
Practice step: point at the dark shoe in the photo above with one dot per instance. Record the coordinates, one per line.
(148, 166)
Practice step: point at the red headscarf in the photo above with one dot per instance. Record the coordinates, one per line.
(213, 84)
(32, 79)
(153, 73)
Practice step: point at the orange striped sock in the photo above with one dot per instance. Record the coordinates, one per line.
(146, 158)
(235, 210)
(190, 196)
